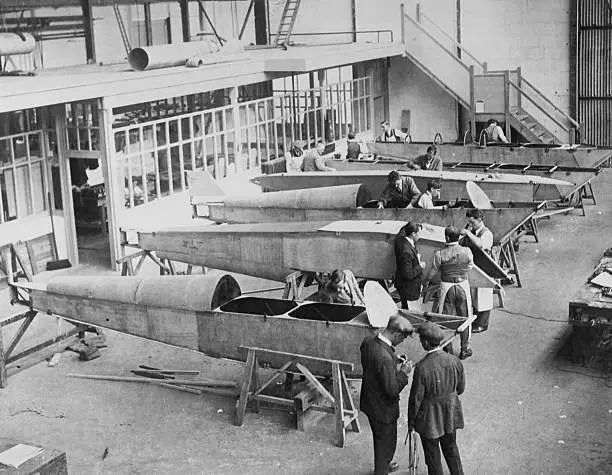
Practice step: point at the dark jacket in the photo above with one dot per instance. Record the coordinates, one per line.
(409, 193)
(353, 151)
(421, 163)
(434, 408)
(382, 382)
(408, 271)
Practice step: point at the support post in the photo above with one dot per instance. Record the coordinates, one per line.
(260, 12)
(323, 112)
(2, 362)
(90, 47)
(354, 20)
(59, 118)
(184, 6)
(403, 24)
(472, 102)
(519, 82)
(507, 103)
(114, 190)
(147, 24)
(237, 129)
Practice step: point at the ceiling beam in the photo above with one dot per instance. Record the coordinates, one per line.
(30, 4)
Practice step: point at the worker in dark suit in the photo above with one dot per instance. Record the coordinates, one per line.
(409, 267)
(399, 192)
(384, 377)
(434, 408)
(428, 161)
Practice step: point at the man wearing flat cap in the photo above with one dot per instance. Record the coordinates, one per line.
(434, 408)
(384, 377)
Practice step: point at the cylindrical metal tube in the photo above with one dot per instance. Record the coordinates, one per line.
(12, 43)
(165, 56)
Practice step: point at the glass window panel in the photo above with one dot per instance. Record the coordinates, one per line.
(197, 126)
(219, 120)
(185, 130)
(120, 145)
(174, 131)
(187, 156)
(95, 139)
(5, 152)
(147, 138)
(210, 157)
(39, 187)
(35, 144)
(22, 188)
(161, 134)
(19, 148)
(150, 175)
(9, 202)
(231, 147)
(229, 119)
(84, 139)
(137, 178)
(200, 153)
(176, 168)
(164, 176)
(94, 114)
(134, 145)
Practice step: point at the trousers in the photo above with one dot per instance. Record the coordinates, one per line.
(385, 441)
(431, 449)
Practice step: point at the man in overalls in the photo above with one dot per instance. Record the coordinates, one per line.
(477, 235)
(453, 262)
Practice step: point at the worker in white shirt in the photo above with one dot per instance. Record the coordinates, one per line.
(494, 132)
(392, 135)
(426, 200)
(477, 235)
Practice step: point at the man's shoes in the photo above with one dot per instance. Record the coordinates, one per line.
(393, 467)
(465, 354)
(478, 329)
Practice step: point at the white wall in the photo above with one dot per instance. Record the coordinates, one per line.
(432, 110)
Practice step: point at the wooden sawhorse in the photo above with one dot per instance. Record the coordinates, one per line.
(341, 402)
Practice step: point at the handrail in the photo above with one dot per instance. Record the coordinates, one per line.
(356, 32)
(517, 87)
(436, 41)
(455, 42)
(567, 116)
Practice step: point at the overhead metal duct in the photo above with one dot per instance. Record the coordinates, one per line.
(165, 56)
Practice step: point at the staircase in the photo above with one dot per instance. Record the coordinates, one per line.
(506, 95)
(526, 125)
(287, 20)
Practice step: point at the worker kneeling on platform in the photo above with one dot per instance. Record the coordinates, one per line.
(341, 288)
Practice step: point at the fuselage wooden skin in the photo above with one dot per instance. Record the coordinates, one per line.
(124, 304)
(581, 156)
(273, 251)
(498, 187)
(501, 221)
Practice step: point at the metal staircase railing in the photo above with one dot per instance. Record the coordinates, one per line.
(458, 71)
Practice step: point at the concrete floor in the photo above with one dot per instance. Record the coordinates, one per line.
(527, 409)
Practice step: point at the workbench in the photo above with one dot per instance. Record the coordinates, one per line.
(591, 306)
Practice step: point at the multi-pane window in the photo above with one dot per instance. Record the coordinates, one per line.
(153, 156)
(23, 181)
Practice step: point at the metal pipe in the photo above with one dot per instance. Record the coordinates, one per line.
(14, 43)
(164, 56)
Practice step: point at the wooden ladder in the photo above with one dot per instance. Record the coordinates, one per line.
(341, 401)
(287, 20)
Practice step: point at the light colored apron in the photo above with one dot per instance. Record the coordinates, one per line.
(445, 287)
